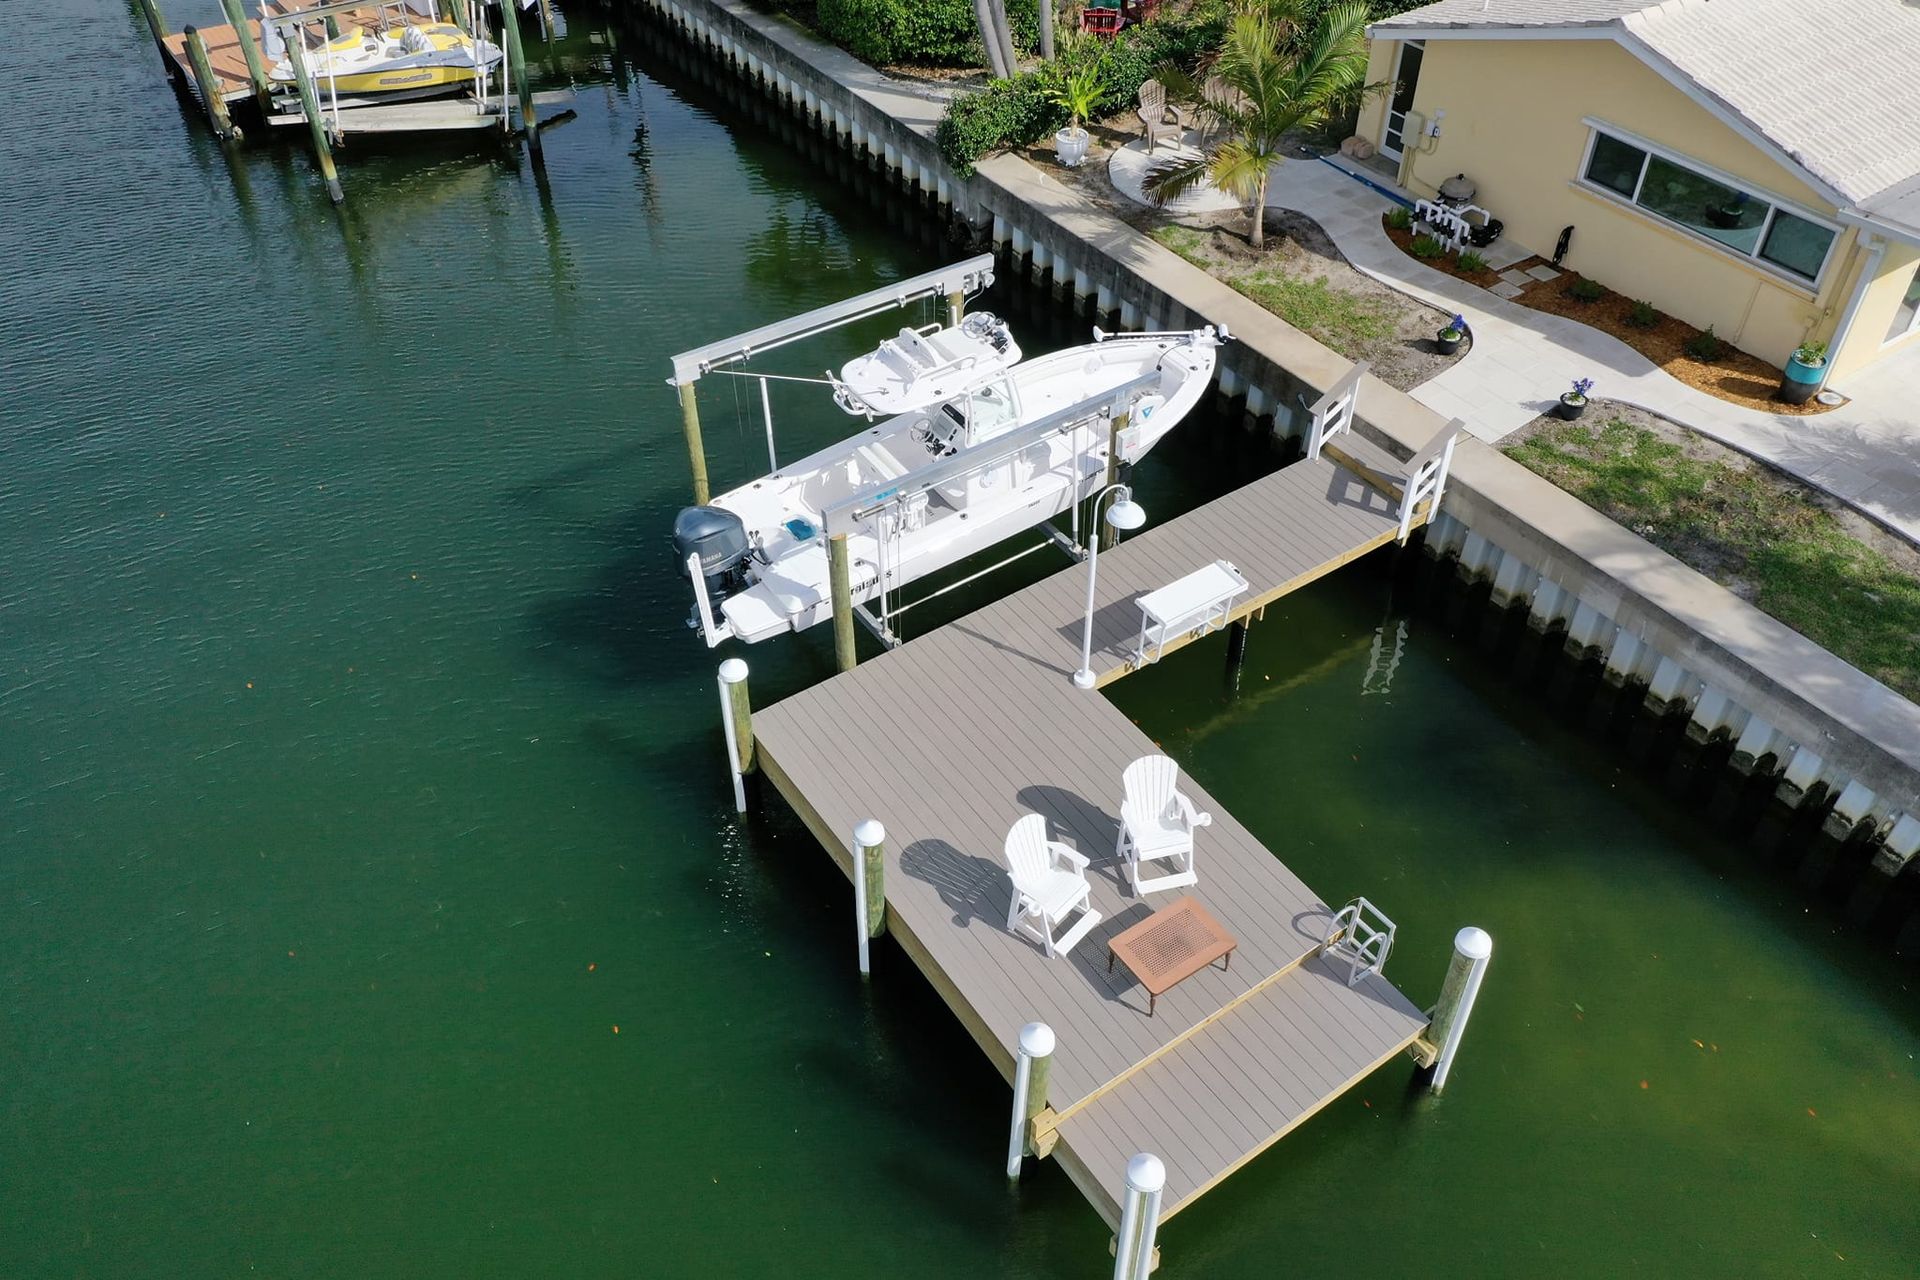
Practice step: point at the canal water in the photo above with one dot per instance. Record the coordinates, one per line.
(370, 897)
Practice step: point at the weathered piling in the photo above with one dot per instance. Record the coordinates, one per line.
(696, 451)
(157, 25)
(250, 49)
(316, 123)
(522, 84)
(841, 576)
(209, 86)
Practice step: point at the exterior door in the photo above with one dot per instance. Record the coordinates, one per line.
(1406, 76)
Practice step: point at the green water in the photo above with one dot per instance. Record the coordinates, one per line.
(359, 779)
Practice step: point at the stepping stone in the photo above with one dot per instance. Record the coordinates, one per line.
(1543, 272)
(1519, 279)
(1506, 289)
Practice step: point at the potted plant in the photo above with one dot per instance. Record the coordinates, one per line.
(1574, 403)
(1077, 92)
(1804, 372)
(1450, 338)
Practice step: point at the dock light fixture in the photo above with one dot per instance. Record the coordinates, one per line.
(1125, 513)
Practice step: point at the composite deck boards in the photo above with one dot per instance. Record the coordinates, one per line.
(951, 737)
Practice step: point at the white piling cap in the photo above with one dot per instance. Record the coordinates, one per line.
(1146, 1174)
(1473, 943)
(733, 671)
(1036, 1040)
(870, 834)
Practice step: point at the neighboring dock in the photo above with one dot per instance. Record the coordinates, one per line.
(226, 69)
(951, 737)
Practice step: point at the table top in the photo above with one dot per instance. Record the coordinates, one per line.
(1173, 943)
(1204, 586)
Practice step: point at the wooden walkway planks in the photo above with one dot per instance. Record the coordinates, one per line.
(950, 738)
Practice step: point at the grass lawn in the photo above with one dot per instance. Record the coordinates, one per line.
(1743, 527)
(1340, 319)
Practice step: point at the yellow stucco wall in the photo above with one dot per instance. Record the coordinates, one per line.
(1868, 342)
(1514, 124)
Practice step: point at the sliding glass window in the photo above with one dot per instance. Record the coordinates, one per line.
(1743, 222)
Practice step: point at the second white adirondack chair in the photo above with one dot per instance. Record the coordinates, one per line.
(1049, 885)
(1157, 824)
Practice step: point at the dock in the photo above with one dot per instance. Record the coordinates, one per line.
(949, 738)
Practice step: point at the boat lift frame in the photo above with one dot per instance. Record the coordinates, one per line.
(954, 283)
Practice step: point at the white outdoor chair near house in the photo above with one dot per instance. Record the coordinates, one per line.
(1049, 885)
(1157, 824)
(1158, 119)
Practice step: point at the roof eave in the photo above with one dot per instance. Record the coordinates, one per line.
(1561, 31)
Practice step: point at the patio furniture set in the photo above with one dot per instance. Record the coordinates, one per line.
(1155, 847)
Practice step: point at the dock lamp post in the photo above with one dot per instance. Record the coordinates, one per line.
(1124, 514)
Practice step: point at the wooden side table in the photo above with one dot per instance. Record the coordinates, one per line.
(1170, 946)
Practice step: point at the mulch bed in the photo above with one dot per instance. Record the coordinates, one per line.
(1736, 376)
(1486, 277)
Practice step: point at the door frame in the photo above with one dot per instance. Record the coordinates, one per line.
(1386, 118)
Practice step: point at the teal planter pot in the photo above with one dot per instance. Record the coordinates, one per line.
(1800, 380)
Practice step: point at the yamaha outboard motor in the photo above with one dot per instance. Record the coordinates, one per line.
(719, 538)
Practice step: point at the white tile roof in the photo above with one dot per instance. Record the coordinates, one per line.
(1834, 83)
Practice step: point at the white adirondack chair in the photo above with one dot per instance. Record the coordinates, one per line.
(1049, 885)
(1157, 825)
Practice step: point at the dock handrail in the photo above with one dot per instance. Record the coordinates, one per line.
(1333, 412)
(1427, 474)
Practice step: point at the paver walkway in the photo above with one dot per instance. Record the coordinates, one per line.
(1866, 453)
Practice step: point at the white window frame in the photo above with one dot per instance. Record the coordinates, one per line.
(1774, 203)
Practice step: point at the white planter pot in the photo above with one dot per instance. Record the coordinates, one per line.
(1070, 146)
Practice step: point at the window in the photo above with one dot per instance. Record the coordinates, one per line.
(1906, 317)
(1743, 222)
(1616, 165)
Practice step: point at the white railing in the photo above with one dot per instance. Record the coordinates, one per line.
(1333, 412)
(1427, 473)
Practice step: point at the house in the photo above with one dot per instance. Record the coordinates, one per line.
(1753, 165)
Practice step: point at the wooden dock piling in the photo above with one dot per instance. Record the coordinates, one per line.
(250, 49)
(209, 87)
(696, 451)
(522, 84)
(317, 123)
(842, 579)
(157, 25)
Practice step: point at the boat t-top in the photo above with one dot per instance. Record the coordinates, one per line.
(970, 442)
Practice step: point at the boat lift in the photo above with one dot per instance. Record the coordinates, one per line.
(882, 509)
(954, 283)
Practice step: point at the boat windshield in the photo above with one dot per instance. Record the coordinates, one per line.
(991, 411)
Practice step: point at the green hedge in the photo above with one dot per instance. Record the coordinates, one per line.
(928, 32)
(1017, 111)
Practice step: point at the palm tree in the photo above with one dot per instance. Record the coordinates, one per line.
(1260, 90)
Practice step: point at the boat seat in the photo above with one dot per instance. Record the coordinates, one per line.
(877, 464)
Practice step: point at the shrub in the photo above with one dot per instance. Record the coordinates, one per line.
(1641, 315)
(1584, 290)
(931, 32)
(1426, 246)
(1705, 346)
(1019, 110)
(1472, 262)
(1400, 218)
